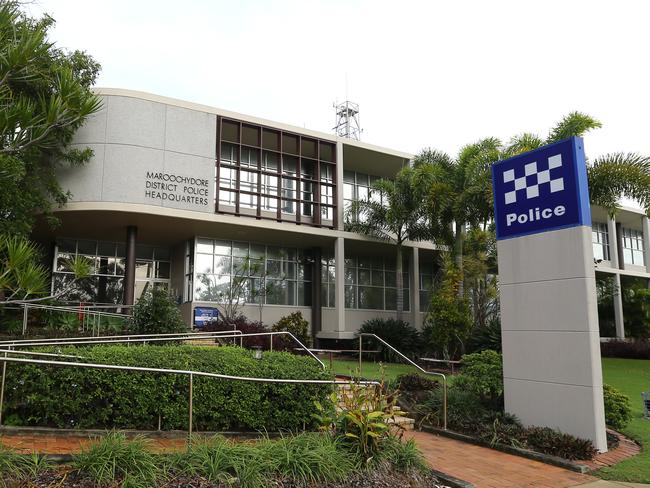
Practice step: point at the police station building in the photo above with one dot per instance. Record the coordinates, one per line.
(178, 195)
(188, 192)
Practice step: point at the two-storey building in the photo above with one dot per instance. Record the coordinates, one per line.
(178, 195)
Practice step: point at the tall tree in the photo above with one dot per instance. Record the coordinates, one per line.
(610, 176)
(458, 191)
(392, 213)
(45, 96)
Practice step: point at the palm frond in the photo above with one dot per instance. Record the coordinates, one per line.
(573, 124)
(522, 143)
(617, 175)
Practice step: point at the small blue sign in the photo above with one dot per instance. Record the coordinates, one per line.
(541, 190)
(205, 315)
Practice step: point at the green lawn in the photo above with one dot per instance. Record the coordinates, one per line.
(631, 376)
(369, 370)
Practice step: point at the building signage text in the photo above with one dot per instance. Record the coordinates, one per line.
(176, 188)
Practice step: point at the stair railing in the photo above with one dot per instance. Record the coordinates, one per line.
(412, 363)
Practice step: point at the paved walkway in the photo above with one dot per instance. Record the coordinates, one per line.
(488, 468)
(56, 444)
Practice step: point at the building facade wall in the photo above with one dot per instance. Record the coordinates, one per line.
(154, 155)
(146, 153)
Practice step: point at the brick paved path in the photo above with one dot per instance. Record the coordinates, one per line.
(626, 448)
(488, 468)
(57, 444)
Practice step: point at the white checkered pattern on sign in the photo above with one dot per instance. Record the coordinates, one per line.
(542, 177)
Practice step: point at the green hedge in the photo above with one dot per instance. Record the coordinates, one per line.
(69, 397)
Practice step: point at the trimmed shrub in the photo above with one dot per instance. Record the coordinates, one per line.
(156, 313)
(482, 374)
(618, 411)
(93, 398)
(638, 349)
(297, 325)
(397, 333)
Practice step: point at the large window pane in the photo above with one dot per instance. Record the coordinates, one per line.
(204, 263)
(289, 165)
(371, 298)
(221, 265)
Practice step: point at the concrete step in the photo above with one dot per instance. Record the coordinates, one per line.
(405, 423)
(399, 418)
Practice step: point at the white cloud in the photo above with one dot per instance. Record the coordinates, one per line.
(432, 73)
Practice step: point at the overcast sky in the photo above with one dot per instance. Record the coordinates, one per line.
(434, 73)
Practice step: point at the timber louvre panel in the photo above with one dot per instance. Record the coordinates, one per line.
(303, 190)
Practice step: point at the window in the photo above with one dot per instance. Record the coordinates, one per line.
(275, 275)
(633, 251)
(426, 285)
(108, 262)
(278, 175)
(371, 283)
(328, 281)
(600, 241)
(357, 186)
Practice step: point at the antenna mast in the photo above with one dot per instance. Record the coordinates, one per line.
(347, 120)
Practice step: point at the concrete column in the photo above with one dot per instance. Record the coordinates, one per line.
(613, 242)
(338, 217)
(619, 246)
(619, 318)
(414, 262)
(646, 242)
(129, 271)
(316, 305)
(339, 292)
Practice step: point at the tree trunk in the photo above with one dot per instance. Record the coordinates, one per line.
(399, 282)
(458, 255)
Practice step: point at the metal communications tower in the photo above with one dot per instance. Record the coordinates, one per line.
(347, 120)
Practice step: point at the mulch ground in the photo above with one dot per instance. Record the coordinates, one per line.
(65, 477)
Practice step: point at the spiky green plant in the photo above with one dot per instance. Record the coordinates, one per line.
(114, 458)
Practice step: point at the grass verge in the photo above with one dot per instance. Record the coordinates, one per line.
(631, 376)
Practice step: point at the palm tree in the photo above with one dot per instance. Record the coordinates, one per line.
(458, 192)
(610, 176)
(23, 279)
(393, 212)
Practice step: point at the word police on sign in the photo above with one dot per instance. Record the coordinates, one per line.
(541, 190)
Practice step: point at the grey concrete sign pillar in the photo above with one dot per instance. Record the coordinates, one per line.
(549, 317)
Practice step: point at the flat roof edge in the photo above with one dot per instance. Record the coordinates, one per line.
(152, 97)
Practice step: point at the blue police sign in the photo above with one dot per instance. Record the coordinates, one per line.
(541, 190)
(205, 315)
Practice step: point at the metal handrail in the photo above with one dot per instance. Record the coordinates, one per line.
(95, 314)
(48, 354)
(198, 335)
(281, 332)
(189, 373)
(62, 308)
(181, 337)
(412, 363)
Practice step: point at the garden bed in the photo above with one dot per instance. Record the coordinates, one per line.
(65, 477)
(301, 460)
